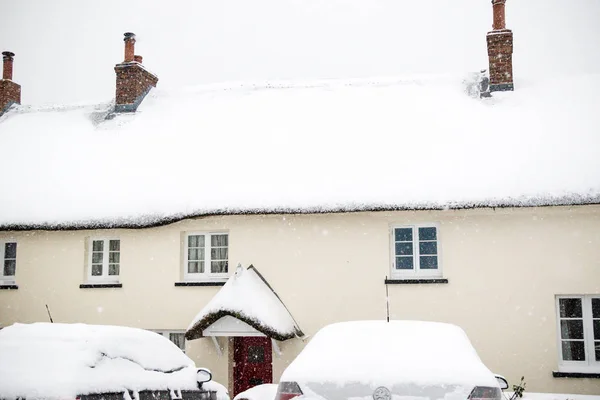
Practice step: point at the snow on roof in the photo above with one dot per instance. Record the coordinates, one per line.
(248, 297)
(44, 360)
(405, 143)
(372, 144)
(389, 353)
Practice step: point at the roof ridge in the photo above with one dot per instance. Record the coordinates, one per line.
(375, 81)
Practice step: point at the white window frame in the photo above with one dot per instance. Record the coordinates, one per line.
(167, 333)
(105, 277)
(590, 365)
(206, 275)
(416, 272)
(7, 279)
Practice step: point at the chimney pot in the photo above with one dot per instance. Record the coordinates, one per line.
(129, 46)
(8, 58)
(499, 14)
(137, 59)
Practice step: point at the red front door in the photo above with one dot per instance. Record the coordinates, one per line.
(252, 362)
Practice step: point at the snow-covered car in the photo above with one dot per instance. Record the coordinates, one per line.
(382, 360)
(89, 362)
(265, 391)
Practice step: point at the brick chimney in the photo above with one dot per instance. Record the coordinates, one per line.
(500, 49)
(133, 80)
(10, 92)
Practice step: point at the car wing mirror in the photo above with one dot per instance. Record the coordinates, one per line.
(502, 382)
(203, 375)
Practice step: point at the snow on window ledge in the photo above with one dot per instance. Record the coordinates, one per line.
(414, 281)
(100, 285)
(559, 374)
(201, 283)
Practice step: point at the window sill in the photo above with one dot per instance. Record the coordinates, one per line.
(201, 283)
(557, 374)
(415, 281)
(8, 287)
(100, 285)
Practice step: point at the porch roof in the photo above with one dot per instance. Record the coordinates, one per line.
(248, 297)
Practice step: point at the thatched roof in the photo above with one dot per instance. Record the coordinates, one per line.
(248, 297)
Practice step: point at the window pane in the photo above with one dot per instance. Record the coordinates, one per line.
(570, 308)
(114, 257)
(192, 267)
(597, 329)
(196, 254)
(98, 245)
(96, 269)
(219, 240)
(196, 267)
(404, 249)
(428, 233)
(573, 350)
(571, 328)
(218, 267)
(428, 262)
(403, 234)
(96, 258)
(428, 247)
(597, 347)
(219, 253)
(595, 308)
(196, 241)
(114, 245)
(113, 269)
(404, 263)
(9, 267)
(178, 339)
(10, 250)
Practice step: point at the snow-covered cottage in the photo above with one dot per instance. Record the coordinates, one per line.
(470, 199)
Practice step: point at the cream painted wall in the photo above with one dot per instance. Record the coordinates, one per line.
(504, 268)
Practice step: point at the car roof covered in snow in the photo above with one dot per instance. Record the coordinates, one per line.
(44, 360)
(389, 353)
(306, 145)
(265, 391)
(249, 298)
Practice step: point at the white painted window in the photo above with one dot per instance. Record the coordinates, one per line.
(177, 337)
(8, 255)
(206, 256)
(415, 251)
(578, 320)
(104, 259)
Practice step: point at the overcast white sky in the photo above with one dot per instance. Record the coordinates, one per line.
(66, 49)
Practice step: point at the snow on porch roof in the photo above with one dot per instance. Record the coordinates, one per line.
(248, 297)
(378, 144)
